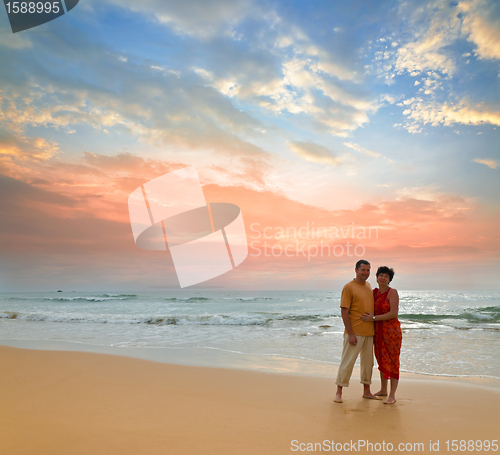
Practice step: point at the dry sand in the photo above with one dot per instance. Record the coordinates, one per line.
(73, 403)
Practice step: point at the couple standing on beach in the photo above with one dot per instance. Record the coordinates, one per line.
(371, 320)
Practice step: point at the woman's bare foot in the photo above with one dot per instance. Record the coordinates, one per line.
(390, 400)
(381, 393)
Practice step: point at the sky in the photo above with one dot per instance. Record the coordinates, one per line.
(374, 121)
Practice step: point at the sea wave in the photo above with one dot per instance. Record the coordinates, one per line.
(472, 315)
(66, 298)
(257, 318)
(102, 298)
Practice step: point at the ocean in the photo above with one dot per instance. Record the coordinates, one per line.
(445, 333)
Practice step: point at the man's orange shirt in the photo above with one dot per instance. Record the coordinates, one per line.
(359, 299)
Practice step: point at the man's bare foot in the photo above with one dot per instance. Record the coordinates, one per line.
(370, 396)
(338, 398)
(390, 400)
(380, 393)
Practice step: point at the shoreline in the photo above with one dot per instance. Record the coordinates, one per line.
(215, 358)
(61, 402)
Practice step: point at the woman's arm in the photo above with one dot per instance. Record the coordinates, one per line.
(391, 314)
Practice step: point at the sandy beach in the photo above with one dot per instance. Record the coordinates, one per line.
(56, 402)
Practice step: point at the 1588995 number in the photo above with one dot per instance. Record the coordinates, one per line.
(32, 7)
(471, 446)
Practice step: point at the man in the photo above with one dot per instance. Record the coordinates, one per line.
(357, 299)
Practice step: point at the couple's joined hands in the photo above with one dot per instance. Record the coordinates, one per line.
(367, 317)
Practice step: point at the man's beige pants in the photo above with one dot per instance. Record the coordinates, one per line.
(350, 353)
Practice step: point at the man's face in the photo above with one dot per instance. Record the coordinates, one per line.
(363, 272)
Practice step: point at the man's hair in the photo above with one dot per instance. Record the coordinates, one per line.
(386, 270)
(361, 262)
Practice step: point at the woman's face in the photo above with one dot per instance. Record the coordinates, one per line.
(383, 279)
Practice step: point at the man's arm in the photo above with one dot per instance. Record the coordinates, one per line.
(347, 323)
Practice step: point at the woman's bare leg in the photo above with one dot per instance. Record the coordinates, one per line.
(392, 395)
(383, 387)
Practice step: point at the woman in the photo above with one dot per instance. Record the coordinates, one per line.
(388, 336)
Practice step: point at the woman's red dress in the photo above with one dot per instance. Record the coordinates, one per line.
(388, 337)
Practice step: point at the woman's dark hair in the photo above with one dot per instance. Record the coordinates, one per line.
(386, 270)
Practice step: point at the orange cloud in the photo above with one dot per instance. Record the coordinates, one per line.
(76, 215)
(22, 147)
(493, 164)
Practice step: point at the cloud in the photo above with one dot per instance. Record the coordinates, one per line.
(272, 65)
(157, 108)
(238, 62)
(429, 29)
(314, 152)
(431, 49)
(303, 85)
(417, 58)
(221, 96)
(72, 222)
(16, 41)
(493, 164)
(15, 192)
(22, 147)
(482, 25)
(200, 18)
(389, 98)
(432, 31)
(330, 65)
(433, 113)
(305, 89)
(360, 149)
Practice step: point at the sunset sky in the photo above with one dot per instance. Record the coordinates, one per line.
(344, 114)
